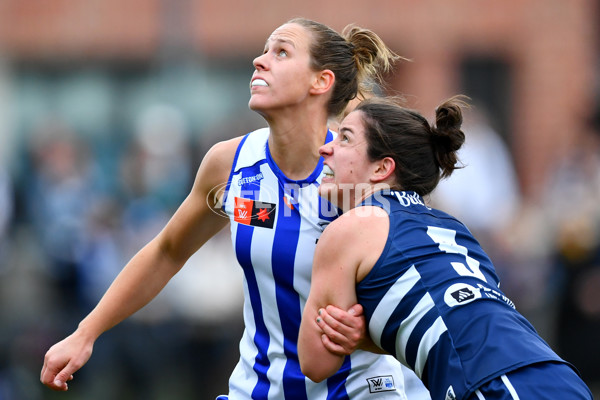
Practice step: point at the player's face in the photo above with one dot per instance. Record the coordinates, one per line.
(282, 76)
(347, 167)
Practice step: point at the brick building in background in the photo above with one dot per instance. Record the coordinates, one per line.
(534, 63)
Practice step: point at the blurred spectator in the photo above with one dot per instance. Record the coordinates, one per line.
(573, 211)
(155, 177)
(99, 252)
(58, 197)
(158, 167)
(6, 214)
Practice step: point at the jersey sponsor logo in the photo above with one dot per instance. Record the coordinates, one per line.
(450, 393)
(410, 198)
(251, 179)
(496, 295)
(463, 294)
(460, 294)
(254, 212)
(383, 383)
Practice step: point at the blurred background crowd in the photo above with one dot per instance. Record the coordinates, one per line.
(107, 108)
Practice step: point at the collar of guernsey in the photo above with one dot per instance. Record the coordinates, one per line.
(258, 148)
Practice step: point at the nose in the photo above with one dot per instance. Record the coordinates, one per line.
(326, 150)
(259, 62)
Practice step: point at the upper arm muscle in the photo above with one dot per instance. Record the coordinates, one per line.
(198, 218)
(346, 252)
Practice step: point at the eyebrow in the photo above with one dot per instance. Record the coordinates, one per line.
(346, 130)
(285, 41)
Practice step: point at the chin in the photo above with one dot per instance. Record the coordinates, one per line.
(254, 103)
(262, 99)
(260, 110)
(330, 192)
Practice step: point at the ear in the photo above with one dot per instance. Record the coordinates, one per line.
(384, 170)
(323, 82)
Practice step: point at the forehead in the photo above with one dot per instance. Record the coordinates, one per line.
(353, 122)
(291, 33)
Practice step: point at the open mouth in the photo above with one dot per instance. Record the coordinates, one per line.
(258, 82)
(328, 172)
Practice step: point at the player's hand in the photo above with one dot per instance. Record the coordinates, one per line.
(344, 331)
(63, 359)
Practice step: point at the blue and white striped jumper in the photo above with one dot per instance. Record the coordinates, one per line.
(275, 224)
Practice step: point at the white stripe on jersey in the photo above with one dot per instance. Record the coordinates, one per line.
(386, 307)
(388, 303)
(408, 325)
(429, 339)
(510, 387)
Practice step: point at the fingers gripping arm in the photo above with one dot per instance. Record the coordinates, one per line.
(345, 331)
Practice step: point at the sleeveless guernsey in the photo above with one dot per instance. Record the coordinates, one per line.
(433, 301)
(275, 224)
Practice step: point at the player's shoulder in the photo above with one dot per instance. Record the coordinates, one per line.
(217, 162)
(221, 154)
(358, 223)
(364, 214)
(224, 149)
(360, 216)
(227, 149)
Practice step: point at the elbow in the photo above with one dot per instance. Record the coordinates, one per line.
(313, 373)
(310, 367)
(316, 362)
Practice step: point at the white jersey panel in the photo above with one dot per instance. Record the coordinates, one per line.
(275, 224)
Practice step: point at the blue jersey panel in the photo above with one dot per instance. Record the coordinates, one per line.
(560, 382)
(433, 301)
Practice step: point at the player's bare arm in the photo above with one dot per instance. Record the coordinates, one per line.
(344, 252)
(194, 223)
(345, 329)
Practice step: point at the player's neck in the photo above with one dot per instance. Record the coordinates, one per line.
(295, 147)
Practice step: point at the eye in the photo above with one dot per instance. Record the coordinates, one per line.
(282, 53)
(344, 138)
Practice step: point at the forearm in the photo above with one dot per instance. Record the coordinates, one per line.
(136, 285)
(316, 362)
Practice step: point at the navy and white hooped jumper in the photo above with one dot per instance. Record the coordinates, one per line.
(433, 301)
(275, 224)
